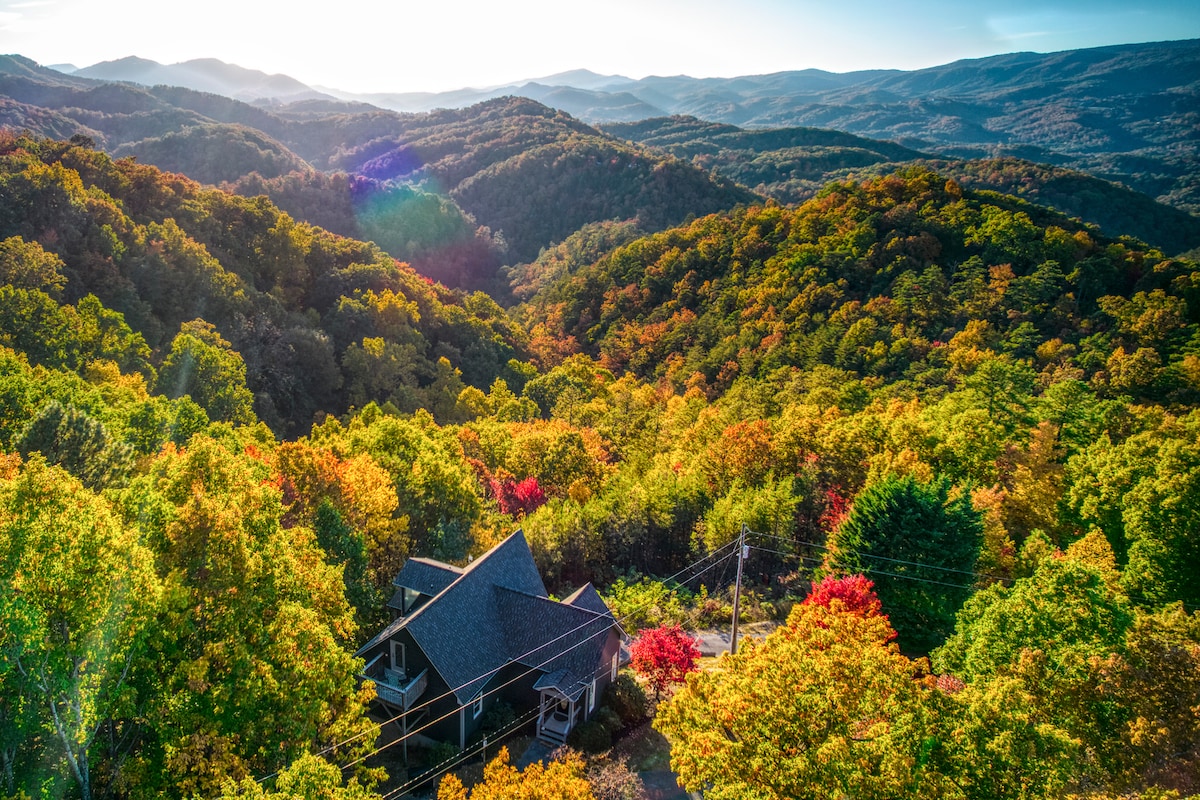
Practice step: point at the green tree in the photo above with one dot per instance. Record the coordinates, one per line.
(69, 438)
(25, 265)
(204, 366)
(77, 593)
(1040, 643)
(918, 542)
(34, 324)
(1144, 494)
(104, 336)
(309, 777)
(998, 739)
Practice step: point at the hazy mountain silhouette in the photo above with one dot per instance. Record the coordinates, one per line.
(204, 75)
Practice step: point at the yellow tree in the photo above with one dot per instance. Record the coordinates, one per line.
(826, 706)
(246, 672)
(563, 779)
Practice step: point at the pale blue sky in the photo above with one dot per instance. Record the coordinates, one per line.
(400, 45)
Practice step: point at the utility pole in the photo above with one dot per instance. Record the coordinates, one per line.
(737, 590)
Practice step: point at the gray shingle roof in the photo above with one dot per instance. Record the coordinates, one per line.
(426, 575)
(587, 597)
(564, 640)
(461, 629)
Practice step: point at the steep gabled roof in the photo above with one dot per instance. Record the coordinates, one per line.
(460, 629)
(587, 597)
(426, 576)
(562, 640)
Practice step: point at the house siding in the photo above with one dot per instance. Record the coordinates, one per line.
(476, 632)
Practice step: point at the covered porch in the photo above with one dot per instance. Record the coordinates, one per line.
(558, 713)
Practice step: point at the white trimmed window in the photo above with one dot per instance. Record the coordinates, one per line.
(592, 696)
(477, 706)
(613, 677)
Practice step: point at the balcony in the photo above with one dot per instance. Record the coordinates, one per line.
(394, 687)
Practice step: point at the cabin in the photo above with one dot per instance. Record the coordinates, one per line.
(466, 638)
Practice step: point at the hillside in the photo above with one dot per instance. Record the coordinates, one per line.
(519, 172)
(792, 164)
(874, 278)
(788, 164)
(322, 323)
(980, 411)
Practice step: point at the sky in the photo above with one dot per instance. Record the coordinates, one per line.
(401, 45)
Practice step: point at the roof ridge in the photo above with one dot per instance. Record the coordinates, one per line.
(433, 562)
(466, 572)
(552, 601)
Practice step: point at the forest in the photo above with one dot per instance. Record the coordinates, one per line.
(970, 421)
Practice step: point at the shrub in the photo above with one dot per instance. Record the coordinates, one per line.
(627, 699)
(590, 737)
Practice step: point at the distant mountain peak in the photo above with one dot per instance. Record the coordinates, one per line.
(204, 75)
(580, 79)
(128, 62)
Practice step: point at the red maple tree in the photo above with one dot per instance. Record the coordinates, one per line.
(664, 656)
(857, 593)
(517, 498)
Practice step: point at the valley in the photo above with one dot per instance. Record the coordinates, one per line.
(912, 358)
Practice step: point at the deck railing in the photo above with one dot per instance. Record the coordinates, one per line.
(394, 687)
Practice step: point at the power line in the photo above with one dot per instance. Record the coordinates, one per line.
(452, 762)
(330, 748)
(490, 673)
(873, 572)
(982, 575)
(458, 758)
(882, 558)
(520, 675)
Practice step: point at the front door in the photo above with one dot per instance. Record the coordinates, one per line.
(556, 717)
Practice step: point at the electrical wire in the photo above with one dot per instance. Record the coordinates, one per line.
(528, 671)
(453, 761)
(882, 558)
(328, 749)
(981, 575)
(873, 572)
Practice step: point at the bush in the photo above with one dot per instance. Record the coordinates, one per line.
(627, 699)
(590, 737)
(499, 716)
(614, 780)
(608, 718)
(442, 751)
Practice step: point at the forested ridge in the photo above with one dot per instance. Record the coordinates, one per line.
(493, 183)
(793, 164)
(224, 430)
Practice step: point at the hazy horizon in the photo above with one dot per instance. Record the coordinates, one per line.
(364, 46)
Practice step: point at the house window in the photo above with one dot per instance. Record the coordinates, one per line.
(592, 696)
(614, 668)
(477, 706)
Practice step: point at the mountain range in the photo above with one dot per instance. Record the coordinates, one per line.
(1126, 113)
(201, 74)
(459, 191)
